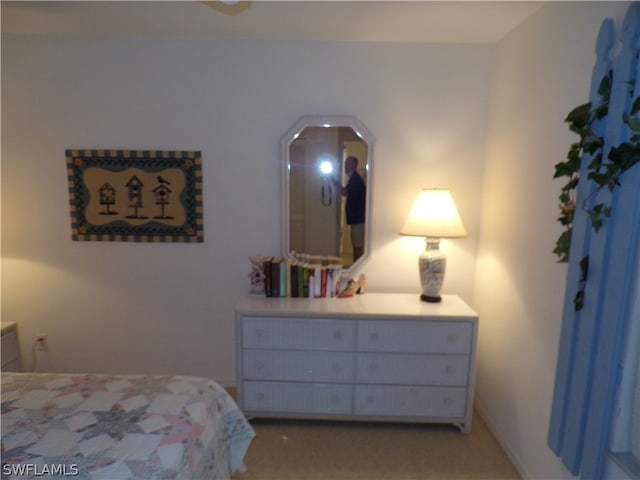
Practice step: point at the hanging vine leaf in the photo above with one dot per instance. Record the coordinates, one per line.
(635, 107)
(584, 269)
(562, 246)
(604, 91)
(578, 301)
(579, 118)
(580, 121)
(604, 172)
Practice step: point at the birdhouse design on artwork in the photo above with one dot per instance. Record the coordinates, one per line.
(134, 192)
(107, 196)
(162, 195)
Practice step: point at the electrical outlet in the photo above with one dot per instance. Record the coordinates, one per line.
(41, 341)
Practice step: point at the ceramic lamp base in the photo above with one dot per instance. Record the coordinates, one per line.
(432, 265)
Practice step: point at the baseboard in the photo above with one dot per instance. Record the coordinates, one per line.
(491, 426)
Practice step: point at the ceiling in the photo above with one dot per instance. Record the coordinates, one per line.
(366, 21)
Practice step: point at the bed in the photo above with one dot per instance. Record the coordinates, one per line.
(119, 427)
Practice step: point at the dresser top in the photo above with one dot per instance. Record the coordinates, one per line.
(366, 305)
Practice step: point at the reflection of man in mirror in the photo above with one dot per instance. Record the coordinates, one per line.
(355, 191)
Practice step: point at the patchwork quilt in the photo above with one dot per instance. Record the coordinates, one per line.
(119, 427)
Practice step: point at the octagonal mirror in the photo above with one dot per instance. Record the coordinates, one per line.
(327, 178)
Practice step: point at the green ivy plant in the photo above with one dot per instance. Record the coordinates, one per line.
(604, 172)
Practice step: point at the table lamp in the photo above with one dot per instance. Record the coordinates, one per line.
(434, 216)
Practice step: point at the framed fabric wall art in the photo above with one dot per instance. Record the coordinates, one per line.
(135, 195)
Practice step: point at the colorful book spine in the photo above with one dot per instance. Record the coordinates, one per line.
(301, 276)
(267, 277)
(284, 277)
(294, 269)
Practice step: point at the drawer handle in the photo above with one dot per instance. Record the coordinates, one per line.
(337, 334)
(451, 369)
(337, 368)
(260, 365)
(447, 402)
(260, 396)
(260, 332)
(371, 399)
(375, 336)
(372, 367)
(335, 399)
(452, 338)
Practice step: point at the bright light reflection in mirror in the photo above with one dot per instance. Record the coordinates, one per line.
(326, 167)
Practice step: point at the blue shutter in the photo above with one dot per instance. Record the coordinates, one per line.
(591, 342)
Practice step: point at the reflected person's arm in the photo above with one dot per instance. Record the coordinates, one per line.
(342, 189)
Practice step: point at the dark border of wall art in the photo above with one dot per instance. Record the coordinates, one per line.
(135, 195)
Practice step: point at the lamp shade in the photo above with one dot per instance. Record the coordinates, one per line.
(434, 214)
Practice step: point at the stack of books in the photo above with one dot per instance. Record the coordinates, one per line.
(302, 275)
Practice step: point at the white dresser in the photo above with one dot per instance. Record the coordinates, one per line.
(375, 356)
(9, 348)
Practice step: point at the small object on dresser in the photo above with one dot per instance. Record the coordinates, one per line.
(434, 216)
(350, 290)
(256, 275)
(363, 282)
(353, 287)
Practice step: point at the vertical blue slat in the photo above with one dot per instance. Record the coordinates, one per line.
(569, 335)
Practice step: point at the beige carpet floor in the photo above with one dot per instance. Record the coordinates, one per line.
(318, 450)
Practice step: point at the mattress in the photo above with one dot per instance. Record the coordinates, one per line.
(119, 427)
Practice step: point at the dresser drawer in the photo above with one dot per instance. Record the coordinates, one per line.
(400, 401)
(415, 337)
(298, 334)
(305, 398)
(9, 347)
(413, 369)
(291, 365)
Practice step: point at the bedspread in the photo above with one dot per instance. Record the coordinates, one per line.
(120, 427)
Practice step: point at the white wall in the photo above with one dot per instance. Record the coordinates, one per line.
(543, 70)
(167, 308)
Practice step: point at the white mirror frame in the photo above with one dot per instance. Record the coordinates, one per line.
(285, 143)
